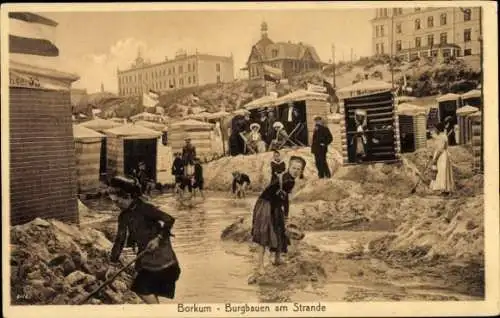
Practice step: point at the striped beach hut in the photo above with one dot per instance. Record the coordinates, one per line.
(101, 125)
(477, 145)
(412, 126)
(384, 144)
(198, 131)
(42, 153)
(465, 124)
(88, 155)
(128, 145)
(472, 98)
(362, 88)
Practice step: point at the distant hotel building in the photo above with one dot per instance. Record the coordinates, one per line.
(425, 31)
(183, 71)
(290, 58)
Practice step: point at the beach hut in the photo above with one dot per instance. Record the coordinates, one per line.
(152, 125)
(447, 106)
(309, 105)
(199, 116)
(147, 116)
(101, 125)
(128, 145)
(362, 88)
(473, 98)
(404, 99)
(477, 144)
(198, 131)
(465, 124)
(382, 128)
(261, 102)
(88, 155)
(164, 156)
(42, 153)
(412, 127)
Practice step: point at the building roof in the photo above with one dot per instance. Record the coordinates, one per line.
(218, 114)
(191, 123)
(472, 94)
(177, 59)
(131, 130)
(467, 110)
(263, 101)
(300, 95)
(80, 132)
(99, 124)
(285, 50)
(144, 115)
(447, 97)
(410, 109)
(369, 85)
(151, 125)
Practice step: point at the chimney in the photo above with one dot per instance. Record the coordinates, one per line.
(102, 87)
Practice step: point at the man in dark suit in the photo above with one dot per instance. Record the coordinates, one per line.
(322, 138)
(290, 118)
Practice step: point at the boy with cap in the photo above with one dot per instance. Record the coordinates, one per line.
(158, 269)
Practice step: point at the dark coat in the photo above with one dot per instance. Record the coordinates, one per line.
(188, 153)
(178, 167)
(141, 223)
(198, 173)
(277, 168)
(322, 137)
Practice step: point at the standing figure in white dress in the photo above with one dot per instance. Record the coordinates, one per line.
(441, 162)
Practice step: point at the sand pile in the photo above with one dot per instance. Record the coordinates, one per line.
(258, 167)
(52, 263)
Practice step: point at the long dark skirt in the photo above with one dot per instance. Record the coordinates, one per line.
(268, 227)
(160, 283)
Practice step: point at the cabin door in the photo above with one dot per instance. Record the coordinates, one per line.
(137, 150)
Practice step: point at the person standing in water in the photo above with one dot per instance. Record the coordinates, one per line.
(277, 166)
(441, 161)
(270, 214)
(150, 228)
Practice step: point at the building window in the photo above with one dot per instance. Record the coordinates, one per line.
(189, 67)
(194, 67)
(181, 82)
(467, 15)
(377, 33)
(194, 79)
(386, 12)
(169, 72)
(381, 30)
(180, 69)
(467, 52)
(395, 11)
(377, 48)
(218, 78)
(400, 11)
(467, 35)
(398, 46)
(442, 19)
(417, 24)
(430, 22)
(399, 28)
(189, 80)
(381, 48)
(275, 53)
(430, 40)
(418, 42)
(146, 76)
(443, 38)
(217, 67)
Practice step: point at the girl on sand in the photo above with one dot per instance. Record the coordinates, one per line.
(270, 213)
(444, 181)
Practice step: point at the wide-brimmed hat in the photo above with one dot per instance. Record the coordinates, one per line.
(360, 112)
(254, 125)
(278, 124)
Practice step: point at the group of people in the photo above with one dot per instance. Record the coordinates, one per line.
(187, 171)
(267, 132)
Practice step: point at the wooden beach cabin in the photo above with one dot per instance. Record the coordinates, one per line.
(465, 124)
(473, 98)
(42, 151)
(128, 145)
(362, 88)
(412, 127)
(477, 145)
(101, 125)
(447, 106)
(88, 155)
(219, 120)
(382, 129)
(198, 131)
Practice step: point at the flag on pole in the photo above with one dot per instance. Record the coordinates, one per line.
(150, 99)
(272, 74)
(32, 34)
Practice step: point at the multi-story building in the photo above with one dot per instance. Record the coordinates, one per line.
(181, 72)
(414, 32)
(290, 58)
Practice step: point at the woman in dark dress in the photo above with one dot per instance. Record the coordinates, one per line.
(277, 166)
(271, 213)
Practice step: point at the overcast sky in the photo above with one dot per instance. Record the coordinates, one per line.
(94, 44)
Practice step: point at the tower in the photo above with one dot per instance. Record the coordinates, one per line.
(102, 87)
(263, 30)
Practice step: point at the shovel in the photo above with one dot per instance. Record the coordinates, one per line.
(81, 301)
